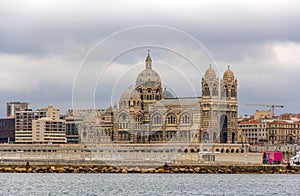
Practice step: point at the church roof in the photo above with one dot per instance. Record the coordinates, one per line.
(228, 74)
(129, 94)
(210, 73)
(148, 77)
(167, 94)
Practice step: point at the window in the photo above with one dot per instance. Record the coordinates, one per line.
(206, 90)
(233, 91)
(157, 119)
(206, 136)
(226, 91)
(171, 119)
(139, 118)
(215, 92)
(185, 119)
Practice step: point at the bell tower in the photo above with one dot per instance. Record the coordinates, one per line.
(209, 107)
(228, 118)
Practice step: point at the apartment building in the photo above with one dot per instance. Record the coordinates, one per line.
(49, 131)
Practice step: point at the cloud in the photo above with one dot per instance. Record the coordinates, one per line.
(23, 74)
(42, 44)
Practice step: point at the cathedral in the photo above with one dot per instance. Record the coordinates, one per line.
(148, 113)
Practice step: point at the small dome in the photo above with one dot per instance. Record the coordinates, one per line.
(167, 94)
(228, 74)
(210, 73)
(130, 94)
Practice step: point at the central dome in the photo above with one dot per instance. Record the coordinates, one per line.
(148, 77)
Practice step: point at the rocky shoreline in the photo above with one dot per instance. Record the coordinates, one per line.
(193, 169)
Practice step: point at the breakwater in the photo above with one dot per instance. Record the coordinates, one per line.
(197, 169)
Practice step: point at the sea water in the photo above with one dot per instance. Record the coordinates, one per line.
(148, 184)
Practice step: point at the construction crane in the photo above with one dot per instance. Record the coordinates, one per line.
(271, 106)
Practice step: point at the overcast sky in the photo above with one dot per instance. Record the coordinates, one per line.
(43, 44)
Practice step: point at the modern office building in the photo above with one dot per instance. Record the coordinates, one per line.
(72, 125)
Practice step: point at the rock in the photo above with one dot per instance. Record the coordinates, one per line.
(111, 169)
(124, 171)
(52, 169)
(292, 171)
(151, 170)
(220, 171)
(137, 170)
(229, 171)
(134, 170)
(8, 169)
(80, 169)
(143, 170)
(20, 169)
(29, 169)
(197, 169)
(71, 170)
(209, 171)
(159, 170)
(61, 170)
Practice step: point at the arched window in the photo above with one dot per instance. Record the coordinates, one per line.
(171, 119)
(84, 134)
(123, 121)
(215, 92)
(157, 119)
(215, 136)
(226, 91)
(206, 136)
(185, 119)
(139, 118)
(206, 90)
(233, 91)
(233, 137)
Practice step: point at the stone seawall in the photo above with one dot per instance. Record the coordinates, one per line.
(197, 169)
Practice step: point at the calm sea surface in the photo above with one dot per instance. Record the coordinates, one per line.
(148, 184)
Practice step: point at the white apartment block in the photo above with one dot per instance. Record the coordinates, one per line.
(49, 131)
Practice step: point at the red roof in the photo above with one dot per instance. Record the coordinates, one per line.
(250, 122)
(281, 122)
